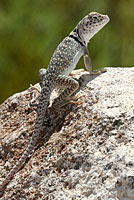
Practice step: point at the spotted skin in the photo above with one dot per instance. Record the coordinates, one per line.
(63, 61)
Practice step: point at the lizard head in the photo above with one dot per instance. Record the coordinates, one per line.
(89, 26)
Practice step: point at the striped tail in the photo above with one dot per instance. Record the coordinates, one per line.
(42, 106)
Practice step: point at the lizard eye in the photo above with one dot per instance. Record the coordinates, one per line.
(94, 17)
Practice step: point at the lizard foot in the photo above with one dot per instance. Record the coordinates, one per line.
(75, 72)
(75, 100)
(72, 100)
(58, 106)
(98, 72)
(35, 96)
(35, 88)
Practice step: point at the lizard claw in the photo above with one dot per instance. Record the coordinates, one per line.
(75, 100)
(72, 100)
(75, 72)
(98, 72)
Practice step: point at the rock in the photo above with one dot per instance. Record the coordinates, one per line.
(86, 151)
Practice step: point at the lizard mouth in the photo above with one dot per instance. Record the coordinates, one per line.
(106, 18)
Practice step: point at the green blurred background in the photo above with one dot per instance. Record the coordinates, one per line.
(30, 30)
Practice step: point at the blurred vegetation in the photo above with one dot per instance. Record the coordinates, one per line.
(30, 30)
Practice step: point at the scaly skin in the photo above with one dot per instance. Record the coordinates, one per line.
(63, 61)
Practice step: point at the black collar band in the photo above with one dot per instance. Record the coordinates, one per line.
(76, 39)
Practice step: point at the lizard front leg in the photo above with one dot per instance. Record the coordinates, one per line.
(88, 63)
(69, 85)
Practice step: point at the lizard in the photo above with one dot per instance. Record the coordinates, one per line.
(62, 63)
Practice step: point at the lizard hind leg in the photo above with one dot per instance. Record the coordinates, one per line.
(69, 86)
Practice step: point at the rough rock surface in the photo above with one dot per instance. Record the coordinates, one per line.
(86, 152)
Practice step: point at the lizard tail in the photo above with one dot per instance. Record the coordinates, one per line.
(42, 106)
